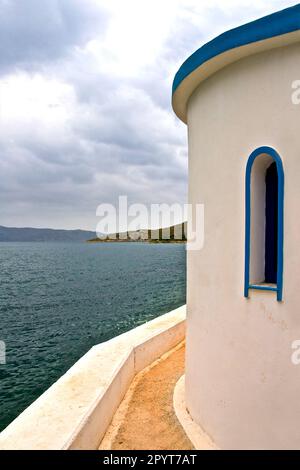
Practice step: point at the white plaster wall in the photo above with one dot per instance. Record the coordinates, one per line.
(241, 386)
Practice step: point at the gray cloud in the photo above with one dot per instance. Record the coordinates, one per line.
(33, 32)
(120, 135)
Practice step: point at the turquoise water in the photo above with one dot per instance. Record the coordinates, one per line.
(59, 299)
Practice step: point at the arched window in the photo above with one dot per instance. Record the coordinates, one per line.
(264, 222)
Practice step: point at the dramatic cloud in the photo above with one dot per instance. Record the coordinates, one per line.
(85, 114)
(34, 31)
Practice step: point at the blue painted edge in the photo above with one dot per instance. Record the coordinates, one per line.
(280, 227)
(276, 24)
(258, 287)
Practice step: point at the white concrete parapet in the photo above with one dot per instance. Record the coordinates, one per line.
(75, 411)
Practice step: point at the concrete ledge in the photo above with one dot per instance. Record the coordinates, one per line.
(197, 436)
(75, 412)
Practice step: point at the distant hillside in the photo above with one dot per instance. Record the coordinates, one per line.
(177, 235)
(13, 234)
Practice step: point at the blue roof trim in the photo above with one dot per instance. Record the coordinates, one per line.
(276, 24)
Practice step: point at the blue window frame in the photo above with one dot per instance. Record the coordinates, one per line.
(279, 222)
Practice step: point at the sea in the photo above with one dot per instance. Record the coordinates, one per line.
(57, 300)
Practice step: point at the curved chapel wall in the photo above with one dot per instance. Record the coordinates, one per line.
(241, 385)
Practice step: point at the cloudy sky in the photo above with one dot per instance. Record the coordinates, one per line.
(85, 114)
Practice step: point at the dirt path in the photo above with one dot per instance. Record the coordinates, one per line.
(145, 418)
